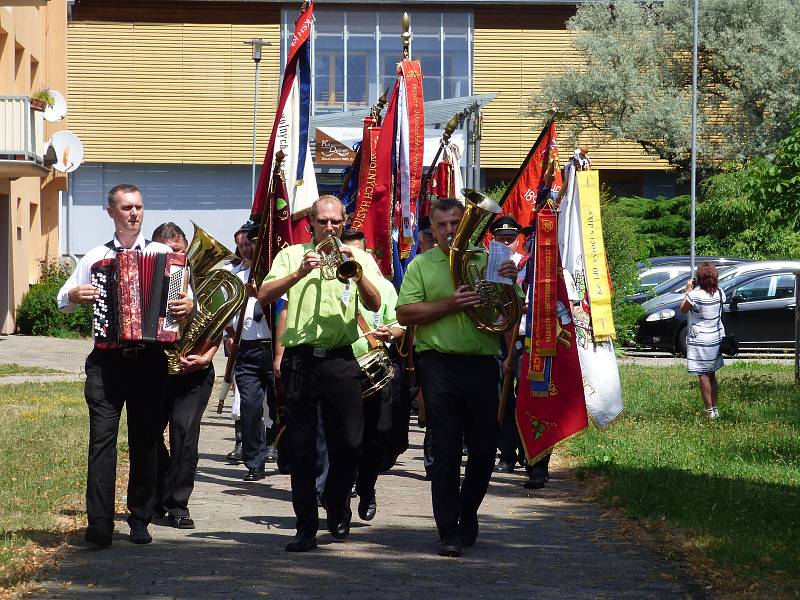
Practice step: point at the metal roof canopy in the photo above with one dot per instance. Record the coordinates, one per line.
(437, 112)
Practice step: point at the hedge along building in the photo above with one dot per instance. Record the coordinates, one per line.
(32, 57)
(162, 94)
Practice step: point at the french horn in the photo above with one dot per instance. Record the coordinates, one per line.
(500, 306)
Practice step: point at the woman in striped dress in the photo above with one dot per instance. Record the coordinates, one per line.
(705, 299)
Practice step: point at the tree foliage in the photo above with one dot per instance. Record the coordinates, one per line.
(662, 225)
(754, 211)
(635, 80)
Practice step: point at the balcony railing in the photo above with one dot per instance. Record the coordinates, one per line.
(22, 145)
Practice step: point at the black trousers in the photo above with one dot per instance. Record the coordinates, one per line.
(332, 383)
(461, 396)
(187, 398)
(254, 378)
(508, 441)
(402, 393)
(138, 382)
(376, 442)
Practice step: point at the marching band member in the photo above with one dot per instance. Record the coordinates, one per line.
(375, 443)
(135, 374)
(253, 373)
(319, 369)
(186, 400)
(459, 373)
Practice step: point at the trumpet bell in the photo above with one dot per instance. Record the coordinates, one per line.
(205, 253)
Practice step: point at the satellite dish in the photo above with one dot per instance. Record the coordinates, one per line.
(69, 151)
(59, 109)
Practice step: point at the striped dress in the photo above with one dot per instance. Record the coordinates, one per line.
(702, 343)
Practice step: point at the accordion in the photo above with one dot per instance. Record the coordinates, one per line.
(135, 291)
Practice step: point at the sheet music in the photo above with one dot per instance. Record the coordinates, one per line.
(498, 254)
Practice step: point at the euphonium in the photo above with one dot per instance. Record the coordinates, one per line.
(218, 293)
(500, 307)
(333, 264)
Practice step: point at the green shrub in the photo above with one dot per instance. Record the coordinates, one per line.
(38, 312)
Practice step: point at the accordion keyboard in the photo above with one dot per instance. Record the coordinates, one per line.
(176, 279)
(104, 314)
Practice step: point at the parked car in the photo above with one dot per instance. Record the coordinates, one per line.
(660, 269)
(759, 309)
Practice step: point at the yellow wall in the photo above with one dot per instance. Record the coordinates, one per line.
(170, 92)
(530, 45)
(32, 56)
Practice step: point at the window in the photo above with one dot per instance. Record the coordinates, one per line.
(767, 288)
(355, 54)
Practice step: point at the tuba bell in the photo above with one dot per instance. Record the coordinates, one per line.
(218, 293)
(500, 307)
(333, 264)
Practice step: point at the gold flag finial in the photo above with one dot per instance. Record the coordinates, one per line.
(406, 35)
(450, 128)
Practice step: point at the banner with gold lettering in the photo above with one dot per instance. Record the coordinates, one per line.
(544, 289)
(548, 416)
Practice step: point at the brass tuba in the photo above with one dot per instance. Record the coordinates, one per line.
(218, 293)
(500, 307)
(333, 264)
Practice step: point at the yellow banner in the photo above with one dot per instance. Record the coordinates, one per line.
(594, 256)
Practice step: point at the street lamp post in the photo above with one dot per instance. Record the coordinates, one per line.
(256, 44)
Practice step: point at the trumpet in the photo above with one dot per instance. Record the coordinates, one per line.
(333, 264)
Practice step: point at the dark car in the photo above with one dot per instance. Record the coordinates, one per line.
(759, 309)
(660, 269)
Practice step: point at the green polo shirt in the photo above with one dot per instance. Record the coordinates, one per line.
(428, 279)
(384, 316)
(320, 312)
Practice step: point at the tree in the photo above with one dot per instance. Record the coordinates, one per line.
(754, 211)
(635, 82)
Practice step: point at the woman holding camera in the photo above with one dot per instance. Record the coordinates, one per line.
(705, 299)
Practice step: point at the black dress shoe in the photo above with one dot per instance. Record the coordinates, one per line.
(504, 467)
(468, 527)
(451, 546)
(272, 454)
(535, 482)
(139, 534)
(340, 528)
(99, 533)
(301, 543)
(256, 474)
(235, 455)
(181, 522)
(367, 507)
(159, 511)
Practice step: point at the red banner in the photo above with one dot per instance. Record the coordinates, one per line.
(544, 290)
(411, 131)
(376, 236)
(545, 420)
(378, 217)
(538, 178)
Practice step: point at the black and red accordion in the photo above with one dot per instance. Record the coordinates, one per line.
(135, 291)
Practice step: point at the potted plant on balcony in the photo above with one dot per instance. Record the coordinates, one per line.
(42, 98)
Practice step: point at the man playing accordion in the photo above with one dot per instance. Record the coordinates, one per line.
(318, 366)
(130, 374)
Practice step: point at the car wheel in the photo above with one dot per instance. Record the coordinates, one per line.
(680, 342)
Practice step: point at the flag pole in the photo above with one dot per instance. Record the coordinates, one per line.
(692, 234)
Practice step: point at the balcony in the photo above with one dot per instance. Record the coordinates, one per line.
(22, 146)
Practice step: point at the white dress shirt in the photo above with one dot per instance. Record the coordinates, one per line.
(252, 329)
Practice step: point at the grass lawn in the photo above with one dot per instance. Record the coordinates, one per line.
(730, 488)
(43, 440)
(15, 369)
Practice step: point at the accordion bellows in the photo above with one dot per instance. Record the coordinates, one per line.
(135, 291)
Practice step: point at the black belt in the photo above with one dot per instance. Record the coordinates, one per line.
(308, 351)
(129, 350)
(249, 344)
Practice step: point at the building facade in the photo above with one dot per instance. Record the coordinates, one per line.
(32, 57)
(162, 93)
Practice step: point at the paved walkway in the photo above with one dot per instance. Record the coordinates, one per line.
(548, 543)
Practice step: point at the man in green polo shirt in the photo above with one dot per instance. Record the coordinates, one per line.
(459, 371)
(318, 369)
